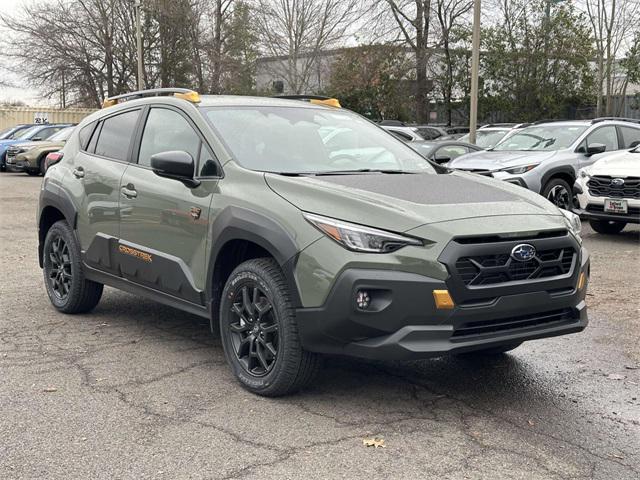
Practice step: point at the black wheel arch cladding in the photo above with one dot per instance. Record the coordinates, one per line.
(53, 198)
(237, 223)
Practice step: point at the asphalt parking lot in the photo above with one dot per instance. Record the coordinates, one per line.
(139, 390)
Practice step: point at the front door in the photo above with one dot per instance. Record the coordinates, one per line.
(164, 223)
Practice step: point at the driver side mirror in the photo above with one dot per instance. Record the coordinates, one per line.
(175, 164)
(634, 144)
(36, 139)
(595, 148)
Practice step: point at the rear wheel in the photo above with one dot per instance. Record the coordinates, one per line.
(259, 331)
(68, 289)
(33, 172)
(558, 192)
(607, 227)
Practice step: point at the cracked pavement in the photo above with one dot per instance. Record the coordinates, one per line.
(139, 390)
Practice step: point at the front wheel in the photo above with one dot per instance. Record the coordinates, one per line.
(259, 331)
(607, 227)
(68, 289)
(558, 192)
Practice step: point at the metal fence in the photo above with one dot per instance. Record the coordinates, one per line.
(10, 116)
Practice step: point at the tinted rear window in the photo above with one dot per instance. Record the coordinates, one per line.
(115, 136)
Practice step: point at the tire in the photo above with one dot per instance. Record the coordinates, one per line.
(558, 192)
(259, 331)
(42, 165)
(499, 350)
(33, 172)
(68, 289)
(607, 227)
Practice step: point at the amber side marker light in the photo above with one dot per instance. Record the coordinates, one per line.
(443, 300)
(582, 281)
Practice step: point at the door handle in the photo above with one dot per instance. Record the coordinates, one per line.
(129, 191)
(78, 172)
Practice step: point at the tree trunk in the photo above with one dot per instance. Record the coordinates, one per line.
(217, 50)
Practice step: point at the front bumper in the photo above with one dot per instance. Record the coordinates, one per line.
(403, 323)
(592, 207)
(15, 165)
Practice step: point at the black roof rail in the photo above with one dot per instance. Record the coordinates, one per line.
(184, 93)
(619, 119)
(552, 120)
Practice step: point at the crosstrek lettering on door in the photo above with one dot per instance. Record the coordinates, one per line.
(136, 253)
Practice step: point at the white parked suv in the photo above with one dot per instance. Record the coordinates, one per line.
(609, 191)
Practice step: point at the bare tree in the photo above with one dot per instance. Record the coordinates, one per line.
(296, 32)
(413, 21)
(612, 22)
(451, 15)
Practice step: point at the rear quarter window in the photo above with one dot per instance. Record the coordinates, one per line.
(84, 135)
(115, 135)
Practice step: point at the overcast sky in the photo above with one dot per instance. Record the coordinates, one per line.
(27, 95)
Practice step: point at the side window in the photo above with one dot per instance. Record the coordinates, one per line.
(402, 136)
(85, 134)
(451, 151)
(606, 136)
(207, 166)
(94, 139)
(629, 136)
(115, 136)
(167, 130)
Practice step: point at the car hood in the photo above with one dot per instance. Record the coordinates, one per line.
(399, 202)
(626, 164)
(497, 159)
(40, 144)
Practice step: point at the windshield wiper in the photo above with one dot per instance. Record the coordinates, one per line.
(361, 170)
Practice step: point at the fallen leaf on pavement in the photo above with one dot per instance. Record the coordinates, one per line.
(615, 455)
(615, 376)
(531, 422)
(50, 389)
(373, 442)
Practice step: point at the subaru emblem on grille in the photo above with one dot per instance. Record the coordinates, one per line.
(523, 252)
(617, 182)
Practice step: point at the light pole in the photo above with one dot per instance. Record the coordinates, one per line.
(475, 67)
(137, 5)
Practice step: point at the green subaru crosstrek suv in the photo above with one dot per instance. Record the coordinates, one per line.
(301, 229)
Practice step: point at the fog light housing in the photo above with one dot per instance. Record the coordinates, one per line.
(443, 300)
(363, 299)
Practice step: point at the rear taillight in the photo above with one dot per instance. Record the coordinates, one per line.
(52, 159)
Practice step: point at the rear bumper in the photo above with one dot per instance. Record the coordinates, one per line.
(403, 323)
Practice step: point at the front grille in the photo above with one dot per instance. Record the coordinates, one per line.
(501, 268)
(600, 186)
(631, 211)
(546, 319)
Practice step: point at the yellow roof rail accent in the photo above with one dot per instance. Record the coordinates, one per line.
(183, 93)
(331, 102)
(193, 97)
(315, 99)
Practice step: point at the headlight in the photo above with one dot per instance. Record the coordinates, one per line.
(519, 170)
(359, 238)
(573, 222)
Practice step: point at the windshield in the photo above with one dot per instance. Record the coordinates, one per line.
(5, 133)
(294, 140)
(61, 136)
(486, 139)
(544, 138)
(28, 132)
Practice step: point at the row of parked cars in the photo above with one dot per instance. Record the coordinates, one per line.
(24, 147)
(588, 166)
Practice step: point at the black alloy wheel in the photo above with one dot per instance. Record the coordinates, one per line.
(558, 192)
(253, 329)
(59, 272)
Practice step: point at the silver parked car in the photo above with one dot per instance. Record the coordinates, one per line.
(546, 157)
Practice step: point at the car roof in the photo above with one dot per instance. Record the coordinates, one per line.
(243, 100)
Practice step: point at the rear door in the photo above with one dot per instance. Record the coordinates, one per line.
(164, 223)
(105, 152)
